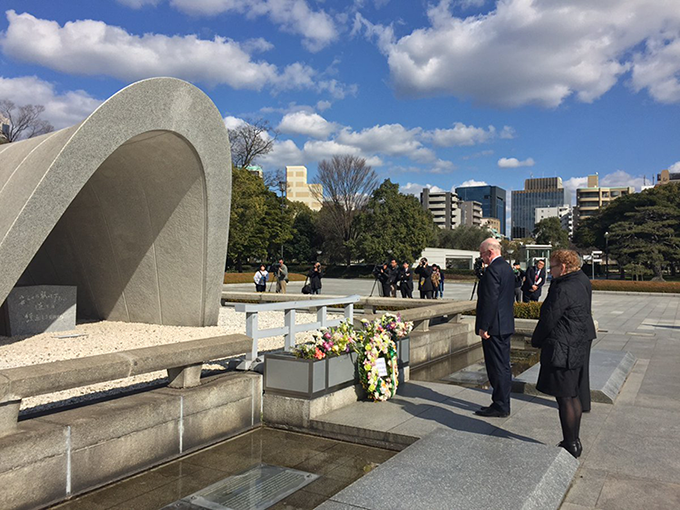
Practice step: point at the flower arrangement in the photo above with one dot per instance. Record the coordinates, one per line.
(397, 327)
(329, 342)
(378, 378)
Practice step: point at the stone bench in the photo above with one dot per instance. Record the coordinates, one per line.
(182, 360)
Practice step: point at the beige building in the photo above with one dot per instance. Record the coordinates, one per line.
(492, 223)
(593, 198)
(444, 206)
(298, 190)
(666, 176)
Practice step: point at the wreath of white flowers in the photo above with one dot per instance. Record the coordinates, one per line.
(377, 343)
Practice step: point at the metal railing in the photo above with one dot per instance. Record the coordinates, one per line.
(291, 328)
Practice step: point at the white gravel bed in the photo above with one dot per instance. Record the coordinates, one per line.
(108, 336)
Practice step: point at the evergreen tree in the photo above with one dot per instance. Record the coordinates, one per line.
(550, 231)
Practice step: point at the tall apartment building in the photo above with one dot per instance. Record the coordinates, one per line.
(593, 198)
(444, 207)
(493, 224)
(540, 192)
(564, 213)
(492, 198)
(667, 176)
(471, 213)
(298, 190)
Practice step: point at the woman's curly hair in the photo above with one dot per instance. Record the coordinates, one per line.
(569, 258)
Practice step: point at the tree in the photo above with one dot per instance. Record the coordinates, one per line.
(251, 140)
(550, 231)
(393, 225)
(347, 184)
(463, 237)
(23, 121)
(277, 223)
(306, 236)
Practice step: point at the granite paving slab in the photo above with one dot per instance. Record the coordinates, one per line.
(608, 372)
(451, 470)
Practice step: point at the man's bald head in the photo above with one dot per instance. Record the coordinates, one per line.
(490, 244)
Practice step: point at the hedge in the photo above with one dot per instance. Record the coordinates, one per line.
(248, 278)
(531, 310)
(630, 286)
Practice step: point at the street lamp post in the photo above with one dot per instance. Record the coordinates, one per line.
(606, 255)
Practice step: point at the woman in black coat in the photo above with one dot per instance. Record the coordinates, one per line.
(425, 285)
(315, 278)
(564, 332)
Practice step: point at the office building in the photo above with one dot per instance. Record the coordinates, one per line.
(593, 198)
(493, 224)
(471, 213)
(492, 198)
(540, 192)
(298, 190)
(565, 214)
(666, 176)
(444, 206)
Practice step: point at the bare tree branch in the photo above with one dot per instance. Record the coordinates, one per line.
(24, 121)
(347, 185)
(253, 139)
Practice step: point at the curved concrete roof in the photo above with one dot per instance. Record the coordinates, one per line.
(131, 205)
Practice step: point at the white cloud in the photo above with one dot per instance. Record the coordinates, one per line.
(90, 47)
(389, 139)
(621, 178)
(508, 133)
(536, 52)
(472, 182)
(323, 105)
(675, 167)
(573, 184)
(316, 150)
(307, 124)
(285, 153)
(138, 4)
(293, 16)
(62, 110)
(515, 163)
(461, 134)
(233, 122)
(476, 155)
(412, 188)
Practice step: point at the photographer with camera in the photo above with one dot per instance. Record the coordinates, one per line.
(519, 281)
(280, 271)
(315, 276)
(406, 281)
(393, 277)
(382, 274)
(425, 285)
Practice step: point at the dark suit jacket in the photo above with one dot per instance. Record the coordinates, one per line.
(495, 300)
(531, 278)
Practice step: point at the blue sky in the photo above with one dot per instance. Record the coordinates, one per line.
(436, 93)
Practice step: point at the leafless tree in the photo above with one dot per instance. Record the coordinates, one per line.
(23, 121)
(251, 140)
(347, 183)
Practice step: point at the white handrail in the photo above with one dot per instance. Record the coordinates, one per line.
(291, 328)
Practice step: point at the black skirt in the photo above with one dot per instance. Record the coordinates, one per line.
(558, 382)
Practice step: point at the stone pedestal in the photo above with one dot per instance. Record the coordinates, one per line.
(40, 308)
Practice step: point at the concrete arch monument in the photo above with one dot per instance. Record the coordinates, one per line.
(131, 206)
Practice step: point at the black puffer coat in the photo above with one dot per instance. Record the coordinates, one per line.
(566, 323)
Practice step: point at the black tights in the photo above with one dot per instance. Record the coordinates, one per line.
(570, 417)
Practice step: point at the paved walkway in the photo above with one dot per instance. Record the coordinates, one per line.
(631, 456)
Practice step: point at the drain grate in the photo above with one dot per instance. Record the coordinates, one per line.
(255, 489)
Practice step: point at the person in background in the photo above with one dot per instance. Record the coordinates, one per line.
(441, 283)
(315, 276)
(393, 277)
(260, 278)
(519, 281)
(424, 272)
(436, 280)
(533, 282)
(564, 332)
(383, 277)
(281, 277)
(406, 281)
(495, 324)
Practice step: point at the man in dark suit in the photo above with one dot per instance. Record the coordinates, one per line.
(495, 324)
(533, 282)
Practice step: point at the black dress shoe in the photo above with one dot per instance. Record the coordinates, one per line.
(484, 408)
(492, 412)
(573, 447)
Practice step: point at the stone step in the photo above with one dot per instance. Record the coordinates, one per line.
(451, 469)
(608, 372)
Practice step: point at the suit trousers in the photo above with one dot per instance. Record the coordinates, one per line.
(497, 360)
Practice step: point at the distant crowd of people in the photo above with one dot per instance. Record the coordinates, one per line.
(393, 278)
(279, 270)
